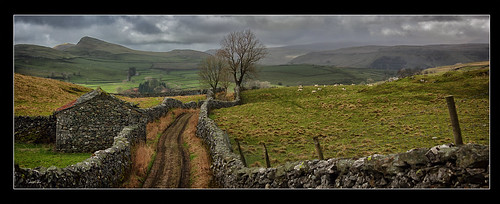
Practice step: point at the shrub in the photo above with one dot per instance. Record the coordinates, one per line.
(256, 84)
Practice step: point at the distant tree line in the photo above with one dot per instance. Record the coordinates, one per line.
(406, 72)
(63, 75)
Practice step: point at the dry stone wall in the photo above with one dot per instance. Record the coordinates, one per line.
(108, 166)
(444, 166)
(88, 124)
(38, 129)
(105, 168)
(171, 93)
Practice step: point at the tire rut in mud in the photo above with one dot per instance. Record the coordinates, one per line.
(171, 166)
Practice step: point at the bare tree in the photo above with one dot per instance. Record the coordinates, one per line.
(225, 81)
(212, 71)
(242, 50)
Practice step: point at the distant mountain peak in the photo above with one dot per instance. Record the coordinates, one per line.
(94, 41)
(87, 44)
(87, 39)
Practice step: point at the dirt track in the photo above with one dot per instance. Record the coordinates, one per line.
(171, 166)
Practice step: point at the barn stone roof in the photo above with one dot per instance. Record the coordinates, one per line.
(89, 96)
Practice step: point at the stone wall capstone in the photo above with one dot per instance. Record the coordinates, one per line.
(444, 166)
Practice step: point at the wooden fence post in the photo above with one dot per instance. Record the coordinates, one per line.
(454, 120)
(241, 153)
(268, 163)
(318, 148)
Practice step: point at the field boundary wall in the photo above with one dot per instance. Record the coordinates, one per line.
(105, 168)
(170, 93)
(35, 129)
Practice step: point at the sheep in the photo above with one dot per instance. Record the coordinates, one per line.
(315, 85)
(300, 89)
(319, 89)
(343, 88)
(313, 91)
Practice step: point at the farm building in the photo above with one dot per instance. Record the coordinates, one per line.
(91, 122)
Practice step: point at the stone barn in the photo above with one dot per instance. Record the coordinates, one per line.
(91, 122)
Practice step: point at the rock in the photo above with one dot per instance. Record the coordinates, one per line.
(473, 156)
(414, 157)
(441, 153)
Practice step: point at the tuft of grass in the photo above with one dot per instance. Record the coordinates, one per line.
(361, 120)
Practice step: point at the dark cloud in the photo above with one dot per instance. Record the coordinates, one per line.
(142, 24)
(66, 21)
(162, 32)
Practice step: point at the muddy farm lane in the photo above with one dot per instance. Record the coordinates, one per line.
(171, 166)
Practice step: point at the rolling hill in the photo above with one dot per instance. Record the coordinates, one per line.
(284, 54)
(93, 49)
(95, 62)
(98, 49)
(306, 74)
(397, 57)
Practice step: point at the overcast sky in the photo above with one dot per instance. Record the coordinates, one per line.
(202, 32)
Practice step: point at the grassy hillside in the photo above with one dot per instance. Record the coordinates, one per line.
(397, 57)
(458, 66)
(93, 63)
(39, 96)
(294, 75)
(360, 120)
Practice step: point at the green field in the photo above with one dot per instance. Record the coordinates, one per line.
(359, 121)
(111, 75)
(286, 75)
(35, 155)
(177, 79)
